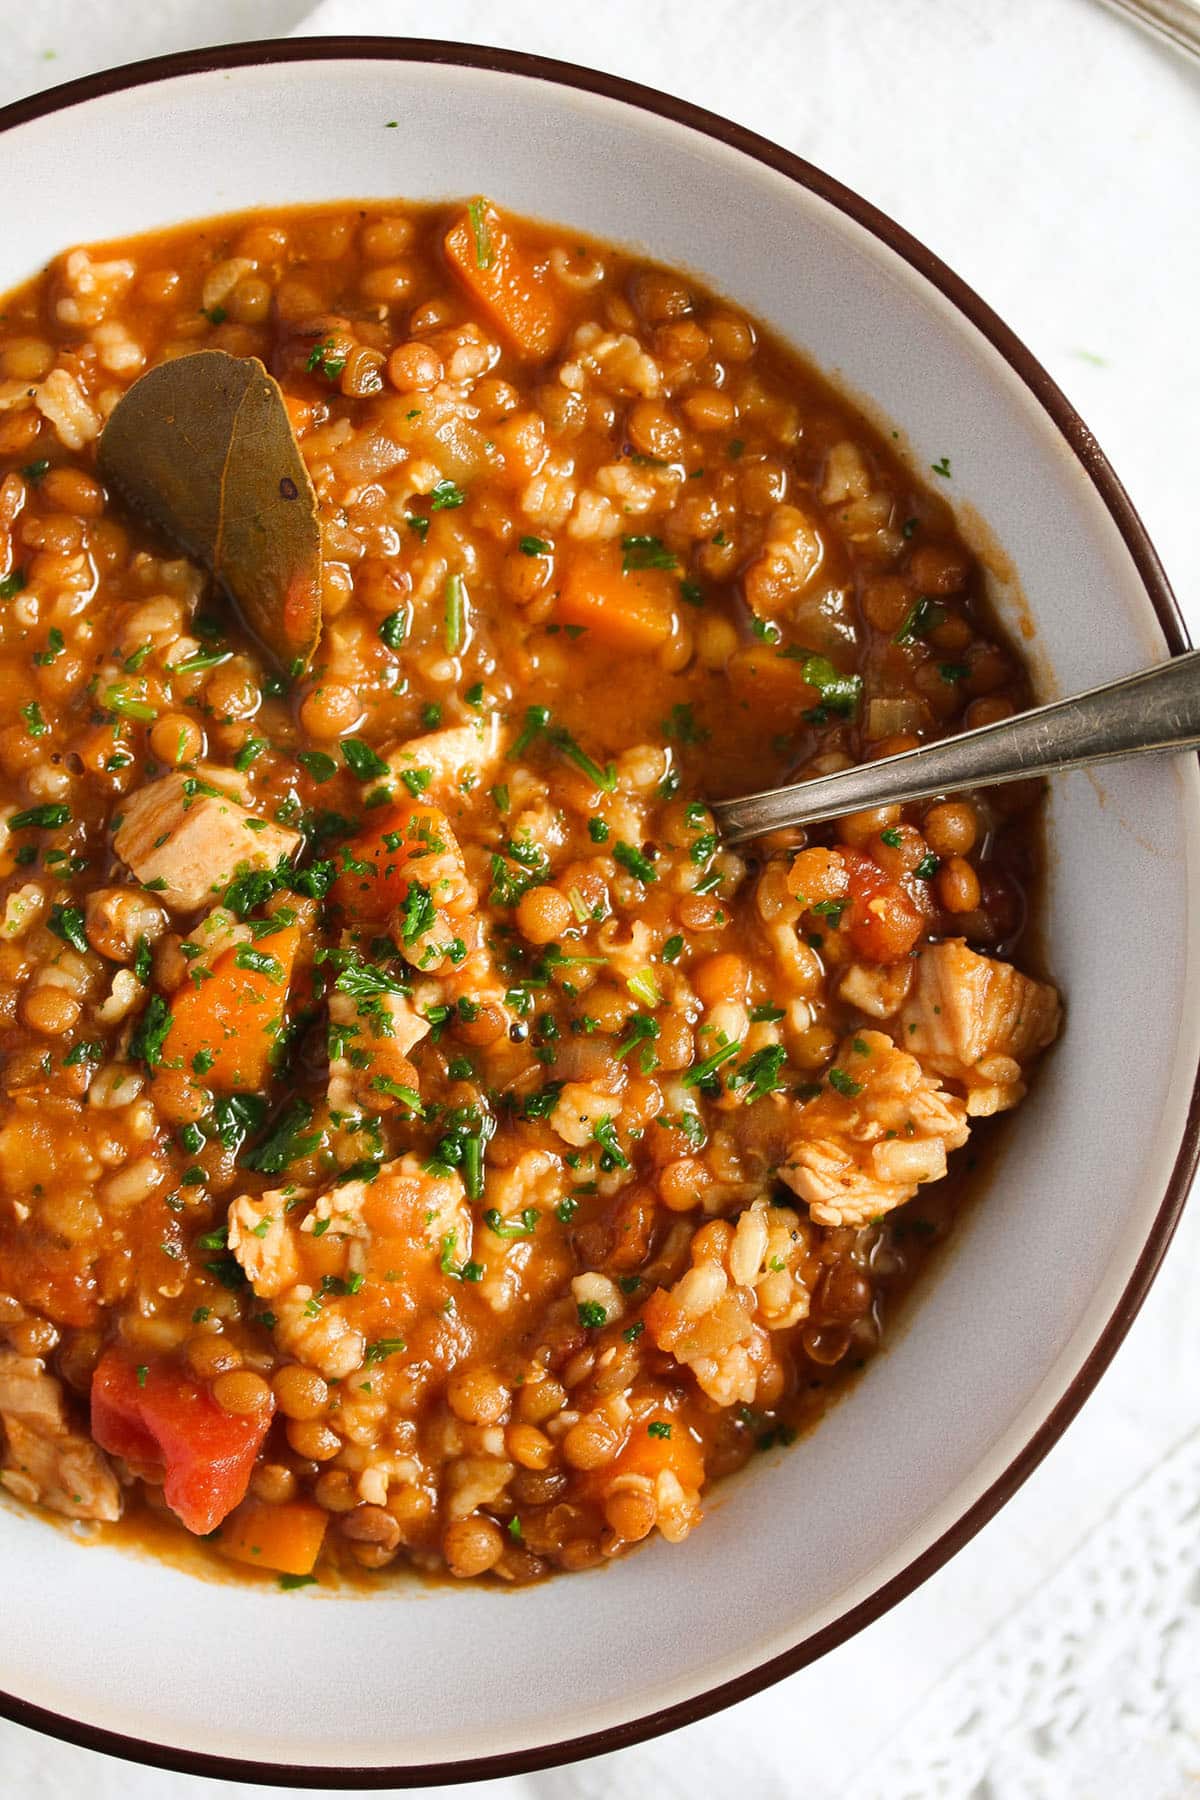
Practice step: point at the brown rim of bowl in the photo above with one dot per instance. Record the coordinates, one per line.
(1125, 517)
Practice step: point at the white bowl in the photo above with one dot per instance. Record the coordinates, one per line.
(1046, 1273)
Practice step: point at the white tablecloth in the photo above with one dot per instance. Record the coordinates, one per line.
(1051, 155)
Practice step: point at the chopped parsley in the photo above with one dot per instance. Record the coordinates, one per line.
(484, 254)
(446, 495)
(117, 700)
(55, 645)
(289, 1140)
(323, 359)
(258, 962)
(536, 720)
(362, 761)
(701, 1072)
(202, 659)
(250, 751)
(605, 1134)
(319, 765)
(456, 614)
(644, 1031)
(640, 552)
(394, 629)
(149, 1036)
(66, 922)
(605, 778)
(839, 693)
(759, 1074)
(922, 617)
(844, 1084)
(522, 1226)
(42, 818)
(634, 860)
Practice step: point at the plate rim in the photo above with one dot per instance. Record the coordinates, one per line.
(1080, 440)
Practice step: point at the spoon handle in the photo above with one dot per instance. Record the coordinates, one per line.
(1156, 710)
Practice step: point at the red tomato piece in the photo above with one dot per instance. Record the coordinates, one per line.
(155, 1414)
(883, 920)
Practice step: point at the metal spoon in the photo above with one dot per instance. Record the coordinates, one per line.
(1154, 711)
(1176, 22)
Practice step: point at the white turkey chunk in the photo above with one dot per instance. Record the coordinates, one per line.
(44, 1462)
(876, 989)
(189, 833)
(369, 1042)
(748, 1278)
(262, 1239)
(977, 1022)
(879, 1128)
(417, 1222)
(461, 755)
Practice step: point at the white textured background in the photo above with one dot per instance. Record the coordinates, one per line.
(1052, 156)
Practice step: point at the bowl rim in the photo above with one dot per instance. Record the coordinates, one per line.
(1079, 439)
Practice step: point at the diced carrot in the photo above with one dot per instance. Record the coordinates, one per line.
(231, 1021)
(286, 1537)
(669, 1445)
(633, 612)
(299, 413)
(502, 280)
(156, 1416)
(408, 843)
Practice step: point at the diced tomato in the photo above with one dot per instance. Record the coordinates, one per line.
(883, 921)
(54, 1279)
(156, 1416)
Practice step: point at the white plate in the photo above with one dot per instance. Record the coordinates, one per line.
(129, 1655)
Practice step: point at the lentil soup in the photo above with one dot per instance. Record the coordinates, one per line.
(421, 1142)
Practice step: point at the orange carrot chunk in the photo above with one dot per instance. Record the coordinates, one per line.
(660, 1440)
(286, 1538)
(231, 1021)
(409, 843)
(632, 612)
(501, 279)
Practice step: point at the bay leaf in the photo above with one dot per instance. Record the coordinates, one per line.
(202, 446)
